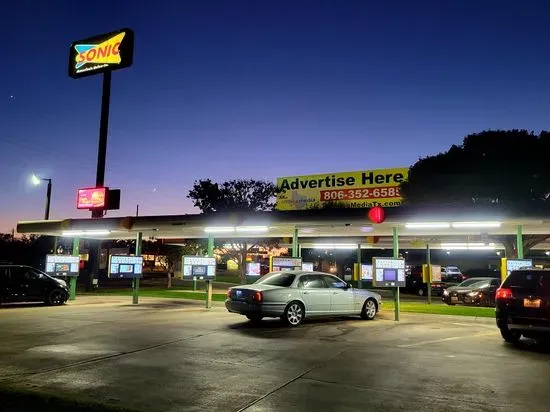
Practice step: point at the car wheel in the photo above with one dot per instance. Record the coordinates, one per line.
(509, 336)
(369, 309)
(56, 297)
(254, 318)
(420, 292)
(294, 314)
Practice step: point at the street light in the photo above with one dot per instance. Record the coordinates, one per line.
(36, 181)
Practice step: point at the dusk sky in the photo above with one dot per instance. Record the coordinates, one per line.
(257, 89)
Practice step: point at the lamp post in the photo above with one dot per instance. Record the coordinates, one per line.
(36, 181)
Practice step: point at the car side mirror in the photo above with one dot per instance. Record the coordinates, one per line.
(348, 286)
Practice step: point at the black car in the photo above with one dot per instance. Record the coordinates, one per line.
(482, 293)
(523, 305)
(456, 294)
(26, 284)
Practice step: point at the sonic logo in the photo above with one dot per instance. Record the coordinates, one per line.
(107, 52)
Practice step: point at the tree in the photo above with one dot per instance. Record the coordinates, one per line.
(494, 167)
(233, 195)
(239, 249)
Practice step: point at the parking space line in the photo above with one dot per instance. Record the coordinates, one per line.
(427, 342)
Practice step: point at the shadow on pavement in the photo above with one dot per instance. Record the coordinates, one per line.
(531, 345)
(8, 306)
(167, 304)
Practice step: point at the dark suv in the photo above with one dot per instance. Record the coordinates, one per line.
(523, 305)
(26, 284)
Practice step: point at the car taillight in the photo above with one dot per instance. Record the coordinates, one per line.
(229, 293)
(257, 297)
(503, 294)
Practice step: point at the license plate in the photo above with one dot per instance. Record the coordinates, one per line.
(531, 303)
(454, 299)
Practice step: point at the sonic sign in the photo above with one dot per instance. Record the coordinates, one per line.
(111, 51)
(362, 189)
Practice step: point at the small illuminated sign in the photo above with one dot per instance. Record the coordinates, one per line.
(307, 266)
(62, 265)
(366, 272)
(388, 272)
(125, 266)
(92, 198)
(509, 265)
(253, 269)
(98, 54)
(199, 267)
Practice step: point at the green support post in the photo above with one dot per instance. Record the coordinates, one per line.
(72, 279)
(359, 280)
(209, 281)
(428, 262)
(519, 241)
(396, 290)
(135, 281)
(295, 243)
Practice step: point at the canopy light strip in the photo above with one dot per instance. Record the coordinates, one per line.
(427, 225)
(470, 225)
(69, 233)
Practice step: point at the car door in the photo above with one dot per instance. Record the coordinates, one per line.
(315, 294)
(342, 300)
(4, 287)
(26, 283)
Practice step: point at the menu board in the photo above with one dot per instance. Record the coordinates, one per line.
(199, 267)
(307, 266)
(283, 264)
(62, 265)
(125, 266)
(253, 269)
(388, 272)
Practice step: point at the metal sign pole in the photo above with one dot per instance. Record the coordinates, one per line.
(135, 280)
(209, 281)
(103, 128)
(519, 241)
(428, 262)
(396, 290)
(295, 243)
(72, 279)
(359, 271)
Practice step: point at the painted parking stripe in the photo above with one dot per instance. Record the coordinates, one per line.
(427, 342)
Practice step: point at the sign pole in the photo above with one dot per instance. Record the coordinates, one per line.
(519, 241)
(72, 279)
(359, 271)
(135, 280)
(396, 290)
(295, 242)
(209, 281)
(103, 129)
(428, 262)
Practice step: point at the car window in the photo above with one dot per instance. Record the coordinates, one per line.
(312, 282)
(21, 274)
(469, 282)
(334, 282)
(277, 279)
(495, 282)
(482, 284)
(529, 281)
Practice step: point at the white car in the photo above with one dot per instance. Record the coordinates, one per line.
(296, 295)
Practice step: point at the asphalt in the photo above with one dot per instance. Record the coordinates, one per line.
(165, 355)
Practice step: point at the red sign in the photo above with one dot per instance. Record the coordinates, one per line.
(376, 214)
(92, 198)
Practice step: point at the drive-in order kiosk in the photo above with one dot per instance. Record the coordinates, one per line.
(202, 268)
(128, 267)
(388, 272)
(62, 265)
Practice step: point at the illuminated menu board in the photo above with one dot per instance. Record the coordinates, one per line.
(388, 272)
(62, 265)
(125, 266)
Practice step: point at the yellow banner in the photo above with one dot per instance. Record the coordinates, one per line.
(362, 189)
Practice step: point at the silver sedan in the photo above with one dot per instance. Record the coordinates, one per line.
(296, 295)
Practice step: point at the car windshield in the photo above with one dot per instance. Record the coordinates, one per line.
(277, 279)
(482, 284)
(469, 282)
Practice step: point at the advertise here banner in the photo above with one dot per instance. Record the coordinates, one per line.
(362, 189)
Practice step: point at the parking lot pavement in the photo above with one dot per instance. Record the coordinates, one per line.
(169, 356)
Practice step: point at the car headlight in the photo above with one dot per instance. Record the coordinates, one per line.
(62, 282)
(473, 294)
(446, 292)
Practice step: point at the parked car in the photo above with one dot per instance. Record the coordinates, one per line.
(482, 293)
(415, 284)
(481, 273)
(523, 305)
(451, 274)
(26, 284)
(296, 295)
(455, 294)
